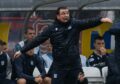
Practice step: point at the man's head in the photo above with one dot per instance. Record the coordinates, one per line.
(63, 14)
(4, 46)
(29, 33)
(99, 43)
(30, 52)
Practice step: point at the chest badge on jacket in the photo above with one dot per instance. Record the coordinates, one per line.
(56, 29)
(31, 63)
(2, 63)
(70, 27)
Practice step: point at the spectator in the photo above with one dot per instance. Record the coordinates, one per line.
(99, 56)
(46, 50)
(3, 66)
(29, 35)
(24, 66)
(9, 65)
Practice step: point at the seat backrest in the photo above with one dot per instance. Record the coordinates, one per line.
(93, 75)
(36, 72)
(104, 73)
(91, 72)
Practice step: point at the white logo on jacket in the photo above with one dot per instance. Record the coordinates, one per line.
(70, 27)
(56, 29)
(2, 63)
(31, 63)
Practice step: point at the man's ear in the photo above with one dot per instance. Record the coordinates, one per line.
(25, 35)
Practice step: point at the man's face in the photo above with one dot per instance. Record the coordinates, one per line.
(63, 15)
(98, 44)
(30, 34)
(5, 49)
(30, 52)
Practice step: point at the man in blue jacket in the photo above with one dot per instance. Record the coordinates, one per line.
(64, 37)
(24, 67)
(4, 61)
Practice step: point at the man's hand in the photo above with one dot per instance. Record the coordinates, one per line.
(103, 51)
(81, 77)
(17, 54)
(38, 80)
(106, 20)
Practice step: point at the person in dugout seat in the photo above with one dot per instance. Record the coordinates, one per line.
(99, 56)
(3, 66)
(24, 67)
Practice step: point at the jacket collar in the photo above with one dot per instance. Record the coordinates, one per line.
(62, 23)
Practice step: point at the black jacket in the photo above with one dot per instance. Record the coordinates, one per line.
(113, 76)
(114, 64)
(24, 66)
(3, 65)
(64, 38)
(97, 61)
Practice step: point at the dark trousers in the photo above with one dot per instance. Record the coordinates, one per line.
(113, 79)
(31, 82)
(65, 76)
(6, 81)
(27, 82)
(83, 82)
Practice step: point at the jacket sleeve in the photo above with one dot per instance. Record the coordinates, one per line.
(40, 66)
(19, 69)
(115, 29)
(17, 47)
(43, 36)
(88, 23)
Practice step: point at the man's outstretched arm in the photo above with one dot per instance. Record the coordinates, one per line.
(42, 37)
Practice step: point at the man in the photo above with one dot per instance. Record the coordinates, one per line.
(99, 57)
(46, 51)
(5, 48)
(64, 37)
(114, 59)
(9, 65)
(24, 66)
(29, 35)
(3, 66)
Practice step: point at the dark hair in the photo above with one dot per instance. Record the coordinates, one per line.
(98, 38)
(4, 43)
(1, 42)
(28, 28)
(59, 8)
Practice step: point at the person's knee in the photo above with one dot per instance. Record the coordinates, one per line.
(47, 80)
(21, 81)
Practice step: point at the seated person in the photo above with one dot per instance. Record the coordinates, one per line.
(99, 57)
(3, 66)
(46, 50)
(9, 65)
(24, 66)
